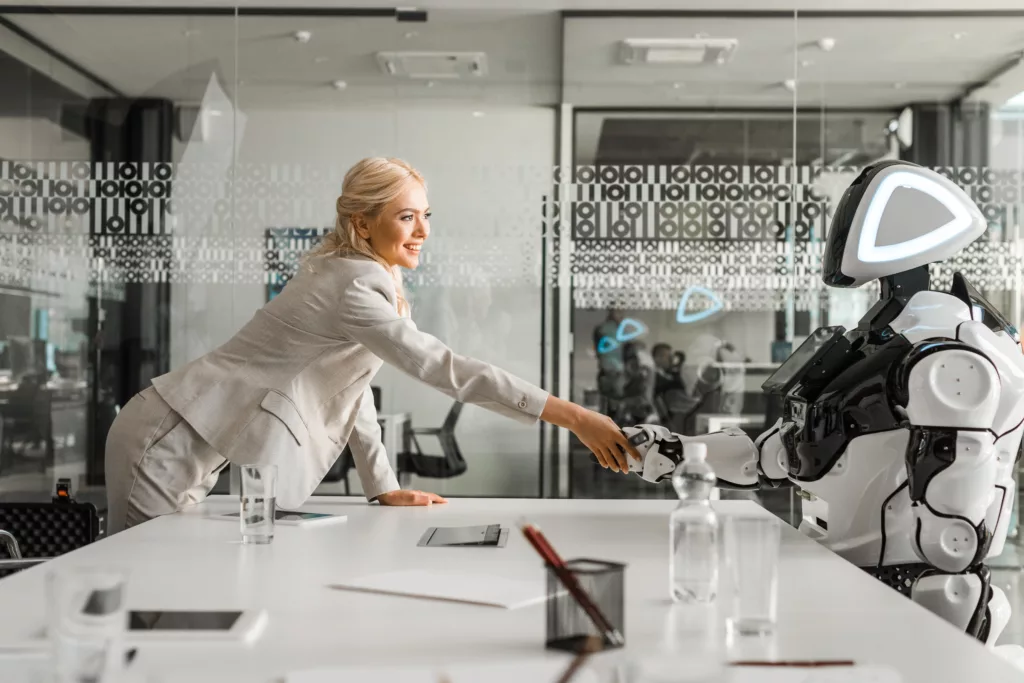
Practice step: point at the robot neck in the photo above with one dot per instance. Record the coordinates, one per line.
(896, 290)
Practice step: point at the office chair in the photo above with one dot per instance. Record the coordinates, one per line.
(340, 469)
(344, 464)
(449, 464)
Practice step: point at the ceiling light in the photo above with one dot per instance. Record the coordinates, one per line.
(676, 50)
(431, 84)
(302, 36)
(959, 35)
(319, 60)
(411, 34)
(189, 32)
(678, 85)
(789, 84)
(899, 85)
(827, 44)
(339, 85)
(433, 65)
(477, 114)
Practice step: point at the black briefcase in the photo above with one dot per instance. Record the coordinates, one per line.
(45, 530)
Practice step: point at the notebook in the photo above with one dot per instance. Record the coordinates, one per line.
(475, 589)
(489, 672)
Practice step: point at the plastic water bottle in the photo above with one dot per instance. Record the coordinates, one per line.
(693, 563)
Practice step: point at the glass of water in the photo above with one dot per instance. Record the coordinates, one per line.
(87, 620)
(259, 483)
(752, 571)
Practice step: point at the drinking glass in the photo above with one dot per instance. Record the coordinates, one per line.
(752, 571)
(259, 484)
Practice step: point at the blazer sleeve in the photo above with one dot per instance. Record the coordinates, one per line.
(371, 460)
(368, 317)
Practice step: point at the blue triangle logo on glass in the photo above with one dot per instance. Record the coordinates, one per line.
(607, 344)
(716, 305)
(630, 329)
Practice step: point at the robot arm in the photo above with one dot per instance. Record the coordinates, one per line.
(951, 394)
(731, 453)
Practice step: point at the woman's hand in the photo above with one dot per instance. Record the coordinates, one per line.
(598, 432)
(409, 497)
(603, 437)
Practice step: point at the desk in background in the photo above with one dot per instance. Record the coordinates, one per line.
(716, 422)
(828, 608)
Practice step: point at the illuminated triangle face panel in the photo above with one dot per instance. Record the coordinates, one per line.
(696, 304)
(909, 216)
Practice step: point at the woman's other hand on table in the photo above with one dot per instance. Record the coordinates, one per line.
(409, 497)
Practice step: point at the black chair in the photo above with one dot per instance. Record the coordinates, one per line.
(449, 464)
(340, 469)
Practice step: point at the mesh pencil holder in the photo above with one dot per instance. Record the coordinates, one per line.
(569, 627)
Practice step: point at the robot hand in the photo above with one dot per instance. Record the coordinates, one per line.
(731, 454)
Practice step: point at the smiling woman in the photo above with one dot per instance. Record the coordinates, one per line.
(292, 387)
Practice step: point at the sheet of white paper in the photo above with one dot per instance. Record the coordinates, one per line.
(477, 589)
(491, 672)
(844, 674)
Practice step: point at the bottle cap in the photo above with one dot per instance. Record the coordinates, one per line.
(695, 451)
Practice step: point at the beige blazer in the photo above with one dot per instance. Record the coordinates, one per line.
(292, 387)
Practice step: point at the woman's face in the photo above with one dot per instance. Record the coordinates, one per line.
(401, 229)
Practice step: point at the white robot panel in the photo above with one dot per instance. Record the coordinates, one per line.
(904, 431)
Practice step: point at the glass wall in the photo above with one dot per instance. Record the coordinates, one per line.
(637, 231)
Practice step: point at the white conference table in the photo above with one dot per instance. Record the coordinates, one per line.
(828, 609)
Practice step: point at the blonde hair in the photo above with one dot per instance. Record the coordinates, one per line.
(369, 186)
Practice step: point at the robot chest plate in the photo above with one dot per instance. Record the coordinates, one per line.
(819, 422)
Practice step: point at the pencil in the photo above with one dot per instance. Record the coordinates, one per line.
(797, 663)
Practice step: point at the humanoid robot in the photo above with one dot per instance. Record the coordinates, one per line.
(902, 433)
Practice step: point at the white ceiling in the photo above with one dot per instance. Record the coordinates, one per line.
(876, 62)
(175, 56)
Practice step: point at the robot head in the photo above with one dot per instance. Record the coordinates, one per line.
(895, 217)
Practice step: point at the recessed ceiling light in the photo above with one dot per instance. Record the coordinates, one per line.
(319, 60)
(826, 44)
(302, 36)
(339, 85)
(789, 84)
(477, 114)
(189, 32)
(678, 85)
(899, 85)
(411, 34)
(958, 35)
(430, 84)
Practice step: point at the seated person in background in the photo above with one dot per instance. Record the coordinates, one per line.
(670, 397)
(666, 367)
(638, 388)
(733, 378)
(611, 370)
